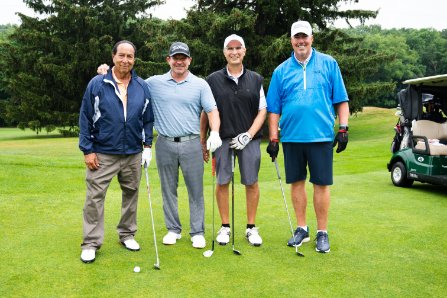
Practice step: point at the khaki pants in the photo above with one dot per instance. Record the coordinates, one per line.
(127, 168)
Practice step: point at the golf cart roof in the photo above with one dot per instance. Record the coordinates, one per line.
(435, 81)
(414, 96)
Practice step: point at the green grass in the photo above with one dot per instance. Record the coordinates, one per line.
(385, 241)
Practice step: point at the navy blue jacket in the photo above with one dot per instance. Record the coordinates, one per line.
(103, 128)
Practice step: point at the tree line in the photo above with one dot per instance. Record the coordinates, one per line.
(47, 61)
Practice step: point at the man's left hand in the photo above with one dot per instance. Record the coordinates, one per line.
(102, 69)
(205, 154)
(342, 139)
(240, 141)
(213, 141)
(146, 157)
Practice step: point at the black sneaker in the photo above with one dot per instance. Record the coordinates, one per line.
(300, 236)
(322, 241)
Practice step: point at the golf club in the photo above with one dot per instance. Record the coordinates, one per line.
(209, 253)
(157, 264)
(236, 252)
(285, 204)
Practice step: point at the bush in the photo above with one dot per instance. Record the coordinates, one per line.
(69, 133)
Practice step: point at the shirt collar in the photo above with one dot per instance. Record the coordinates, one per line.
(118, 81)
(169, 77)
(305, 61)
(238, 75)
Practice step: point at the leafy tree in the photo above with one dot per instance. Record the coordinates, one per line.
(401, 62)
(358, 66)
(48, 61)
(432, 48)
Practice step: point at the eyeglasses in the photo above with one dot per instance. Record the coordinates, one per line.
(233, 48)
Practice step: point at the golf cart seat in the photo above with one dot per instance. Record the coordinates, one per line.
(429, 137)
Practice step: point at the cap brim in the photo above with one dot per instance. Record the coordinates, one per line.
(182, 53)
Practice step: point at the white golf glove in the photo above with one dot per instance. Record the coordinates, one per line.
(213, 141)
(146, 157)
(240, 141)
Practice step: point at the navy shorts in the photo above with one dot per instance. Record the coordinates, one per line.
(318, 157)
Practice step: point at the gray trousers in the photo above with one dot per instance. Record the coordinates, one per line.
(188, 157)
(127, 168)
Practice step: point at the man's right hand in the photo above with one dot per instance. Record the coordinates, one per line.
(273, 149)
(102, 69)
(91, 161)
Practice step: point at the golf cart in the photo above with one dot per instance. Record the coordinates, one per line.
(419, 146)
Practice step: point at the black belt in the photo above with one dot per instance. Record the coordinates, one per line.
(181, 139)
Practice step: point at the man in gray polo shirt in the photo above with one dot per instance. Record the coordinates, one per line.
(178, 98)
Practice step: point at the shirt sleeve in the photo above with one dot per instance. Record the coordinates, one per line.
(86, 120)
(262, 100)
(339, 93)
(148, 117)
(207, 99)
(274, 94)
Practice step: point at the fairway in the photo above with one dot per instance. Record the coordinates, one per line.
(385, 241)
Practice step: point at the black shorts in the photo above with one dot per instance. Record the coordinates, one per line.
(318, 157)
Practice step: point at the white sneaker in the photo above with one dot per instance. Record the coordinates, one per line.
(88, 255)
(253, 237)
(223, 236)
(131, 244)
(171, 238)
(198, 241)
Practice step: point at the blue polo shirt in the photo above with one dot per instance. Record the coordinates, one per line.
(177, 106)
(304, 96)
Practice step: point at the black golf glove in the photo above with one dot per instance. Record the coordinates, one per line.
(342, 139)
(273, 148)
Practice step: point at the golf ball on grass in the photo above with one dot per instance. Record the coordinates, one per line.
(136, 269)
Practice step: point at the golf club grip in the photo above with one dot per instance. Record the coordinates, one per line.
(213, 164)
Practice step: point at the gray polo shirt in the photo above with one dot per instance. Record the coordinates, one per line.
(177, 106)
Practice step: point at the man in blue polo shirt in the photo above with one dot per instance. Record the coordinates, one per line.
(304, 93)
(178, 98)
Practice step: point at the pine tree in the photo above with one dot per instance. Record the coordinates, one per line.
(48, 61)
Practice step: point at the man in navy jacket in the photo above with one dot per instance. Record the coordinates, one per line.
(116, 121)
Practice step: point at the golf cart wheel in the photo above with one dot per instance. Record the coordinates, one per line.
(399, 175)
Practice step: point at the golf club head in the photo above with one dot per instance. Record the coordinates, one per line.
(236, 252)
(208, 253)
(297, 252)
(156, 267)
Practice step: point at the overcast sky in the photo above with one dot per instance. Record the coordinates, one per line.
(393, 13)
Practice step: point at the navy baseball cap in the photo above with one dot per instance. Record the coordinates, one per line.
(179, 48)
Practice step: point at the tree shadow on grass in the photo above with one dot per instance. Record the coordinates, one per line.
(35, 137)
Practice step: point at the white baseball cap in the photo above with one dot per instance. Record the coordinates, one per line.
(301, 27)
(234, 37)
